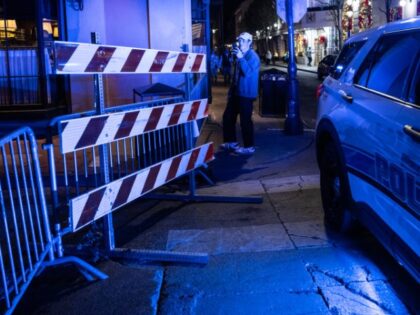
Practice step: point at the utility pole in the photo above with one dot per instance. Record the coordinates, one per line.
(293, 125)
(208, 48)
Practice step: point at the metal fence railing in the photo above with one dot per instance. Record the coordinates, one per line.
(25, 238)
(26, 241)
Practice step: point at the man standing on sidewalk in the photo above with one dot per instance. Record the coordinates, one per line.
(242, 93)
(268, 57)
(309, 55)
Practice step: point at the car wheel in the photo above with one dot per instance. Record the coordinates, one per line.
(319, 76)
(335, 190)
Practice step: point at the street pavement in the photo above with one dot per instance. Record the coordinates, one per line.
(276, 257)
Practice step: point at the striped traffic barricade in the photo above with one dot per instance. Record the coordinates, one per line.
(80, 141)
(80, 133)
(153, 143)
(83, 58)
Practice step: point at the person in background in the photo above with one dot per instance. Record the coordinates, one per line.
(242, 93)
(215, 63)
(268, 57)
(309, 56)
(227, 66)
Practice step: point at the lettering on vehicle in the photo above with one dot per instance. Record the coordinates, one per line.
(402, 184)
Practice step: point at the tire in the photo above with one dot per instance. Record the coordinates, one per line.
(335, 191)
(319, 76)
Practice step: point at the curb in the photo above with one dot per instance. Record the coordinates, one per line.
(299, 69)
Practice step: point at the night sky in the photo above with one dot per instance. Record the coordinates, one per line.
(229, 20)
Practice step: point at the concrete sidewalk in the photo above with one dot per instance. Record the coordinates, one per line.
(300, 67)
(269, 258)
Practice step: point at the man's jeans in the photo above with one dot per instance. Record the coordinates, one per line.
(242, 106)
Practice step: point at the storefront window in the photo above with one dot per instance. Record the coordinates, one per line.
(21, 70)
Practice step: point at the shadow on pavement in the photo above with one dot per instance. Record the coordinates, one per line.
(228, 166)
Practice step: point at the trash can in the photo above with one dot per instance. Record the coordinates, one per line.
(274, 85)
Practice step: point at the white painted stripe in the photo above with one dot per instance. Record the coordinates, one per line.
(147, 60)
(182, 169)
(141, 121)
(164, 118)
(118, 60)
(170, 62)
(77, 209)
(138, 185)
(189, 63)
(201, 156)
(163, 173)
(185, 113)
(202, 109)
(203, 66)
(72, 134)
(80, 58)
(110, 129)
(108, 199)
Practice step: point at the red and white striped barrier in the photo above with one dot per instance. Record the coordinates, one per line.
(97, 203)
(84, 132)
(82, 58)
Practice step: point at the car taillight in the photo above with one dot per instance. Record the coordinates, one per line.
(319, 90)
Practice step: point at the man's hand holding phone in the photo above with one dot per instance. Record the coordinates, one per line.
(236, 51)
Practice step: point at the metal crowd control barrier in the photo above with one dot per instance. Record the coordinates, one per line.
(116, 157)
(26, 243)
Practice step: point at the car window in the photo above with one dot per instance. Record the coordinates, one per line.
(346, 56)
(329, 59)
(388, 65)
(414, 96)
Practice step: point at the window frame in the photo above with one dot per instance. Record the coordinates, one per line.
(337, 75)
(414, 75)
(408, 80)
(51, 91)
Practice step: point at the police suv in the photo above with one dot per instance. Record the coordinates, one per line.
(368, 138)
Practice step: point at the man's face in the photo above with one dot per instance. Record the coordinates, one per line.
(244, 44)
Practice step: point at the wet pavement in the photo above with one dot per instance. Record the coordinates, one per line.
(271, 258)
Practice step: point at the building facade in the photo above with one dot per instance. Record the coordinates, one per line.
(28, 28)
(327, 24)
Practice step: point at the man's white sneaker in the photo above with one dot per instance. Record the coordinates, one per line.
(230, 146)
(245, 151)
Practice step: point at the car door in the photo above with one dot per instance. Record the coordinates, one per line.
(378, 151)
(407, 169)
